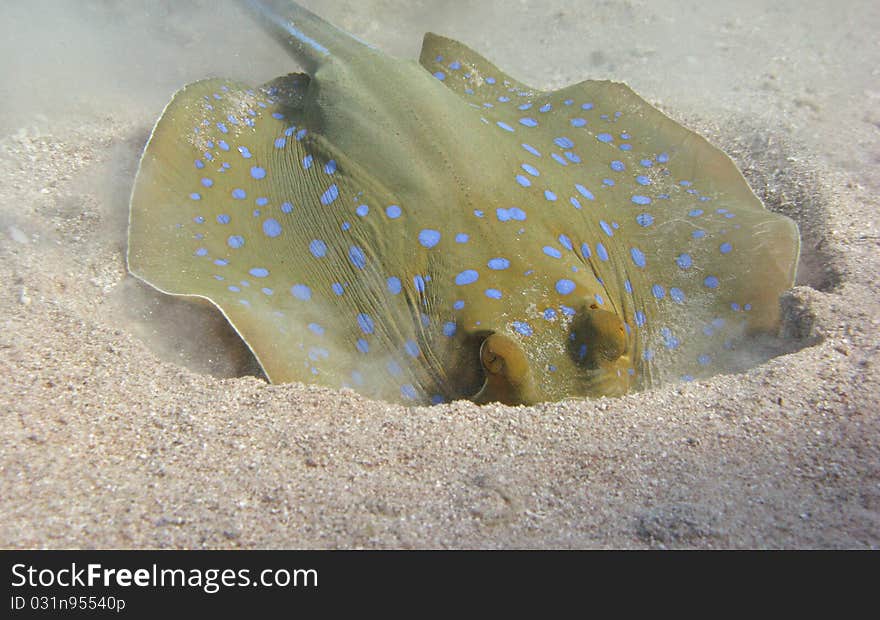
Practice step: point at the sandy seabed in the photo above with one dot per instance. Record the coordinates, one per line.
(137, 421)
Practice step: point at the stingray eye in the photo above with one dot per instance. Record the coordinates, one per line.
(508, 378)
(597, 337)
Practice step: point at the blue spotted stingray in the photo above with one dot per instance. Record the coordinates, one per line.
(425, 232)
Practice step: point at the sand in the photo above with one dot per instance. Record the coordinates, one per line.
(134, 420)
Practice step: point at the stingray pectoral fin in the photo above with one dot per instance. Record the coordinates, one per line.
(509, 378)
(238, 201)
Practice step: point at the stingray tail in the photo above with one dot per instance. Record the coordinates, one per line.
(310, 39)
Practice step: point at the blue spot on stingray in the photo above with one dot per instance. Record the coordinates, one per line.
(199, 164)
(318, 248)
(641, 200)
(531, 149)
(366, 323)
(363, 346)
(262, 201)
(645, 219)
(280, 142)
(528, 122)
(223, 145)
(604, 137)
(695, 212)
(565, 242)
(640, 318)
(658, 291)
(412, 348)
(524, 106)
(259, 272)
(458, 305)
(271, 228)
(239, 194)
(201, 252)
(677, 295)
(531, 170)
(244, 152)
(357, 257)
(663, 158)
(330, 167)
(550, 196)
(235, 241)
(419, 283)
(725, 248)
(258, 173)
(618, 166)
(301, 291)
(643, 180)
(563, 142)
(584, 192)
(586, 106)
(710, 282)
(337, 288)
(207, 182)
(565, 286)
(552, 252)
(574, 202)
(330, 195)
(393, 212)
(393, 285)
(545, 108)
(524, 181)
(559, 159)
(267, 291)
(429, 238)
(572, 157)
(221, 262)
(608, 182)
(585, 250)
(493, 293)
(605, 227)
(316, 329)
(469, 276)
(490, 80)
(684, 261)
(549, 314)
(499, 264)
(704, 359)
(638, 257)
(522, 328)
(195, 196)
(698, 234)
(601, 252)
(440, 75)
(578, 122)
(307, 161)
(287, 207)
(449, 329)
(461, 238)
(504, 125)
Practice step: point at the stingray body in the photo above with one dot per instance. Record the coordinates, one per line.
(424, 232)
